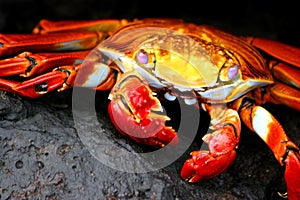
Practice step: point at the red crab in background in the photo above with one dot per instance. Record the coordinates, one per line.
(141, 60)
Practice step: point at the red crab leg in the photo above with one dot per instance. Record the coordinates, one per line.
(35, 87)
(92, 74)
(11, 44)
(284, 91)
(283, 94)
(222, 142)
(285, 70)
(134, 111)
(28, 64)
(104, 25)
(286, 73)
(278, 50)
(286, 152)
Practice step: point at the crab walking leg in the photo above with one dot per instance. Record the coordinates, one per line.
(137, 114)
(103, 25)
(89, 74)
(286, 73)
(35, 87)
(11, 44)
(222, 139)
(283, 52)
(286, 152)
(284, 94)
(28, 64)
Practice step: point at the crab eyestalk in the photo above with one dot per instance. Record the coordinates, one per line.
(137, 114)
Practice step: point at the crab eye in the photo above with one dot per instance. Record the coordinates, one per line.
(146, 59)
(229, 73)
(142, 57)
(232, 71)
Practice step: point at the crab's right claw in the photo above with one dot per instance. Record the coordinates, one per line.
(137, 114)
(203, 165)
(222, 142)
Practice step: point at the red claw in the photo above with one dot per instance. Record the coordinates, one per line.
(206, 164)
(203, 165)
(133, 110)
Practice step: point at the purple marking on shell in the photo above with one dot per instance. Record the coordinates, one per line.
(142, 57)
(232, 71)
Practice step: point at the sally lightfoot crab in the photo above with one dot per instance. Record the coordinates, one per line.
(144, 61)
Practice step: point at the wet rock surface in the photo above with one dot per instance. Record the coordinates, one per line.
(43, 157)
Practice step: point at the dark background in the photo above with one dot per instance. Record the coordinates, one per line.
(278, 20)
(43, 158)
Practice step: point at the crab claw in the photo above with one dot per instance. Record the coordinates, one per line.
(137, 114)
(205, 164)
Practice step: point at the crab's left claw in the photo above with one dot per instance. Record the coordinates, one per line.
(137, 114)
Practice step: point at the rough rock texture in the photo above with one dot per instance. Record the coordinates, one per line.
(42, 156)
